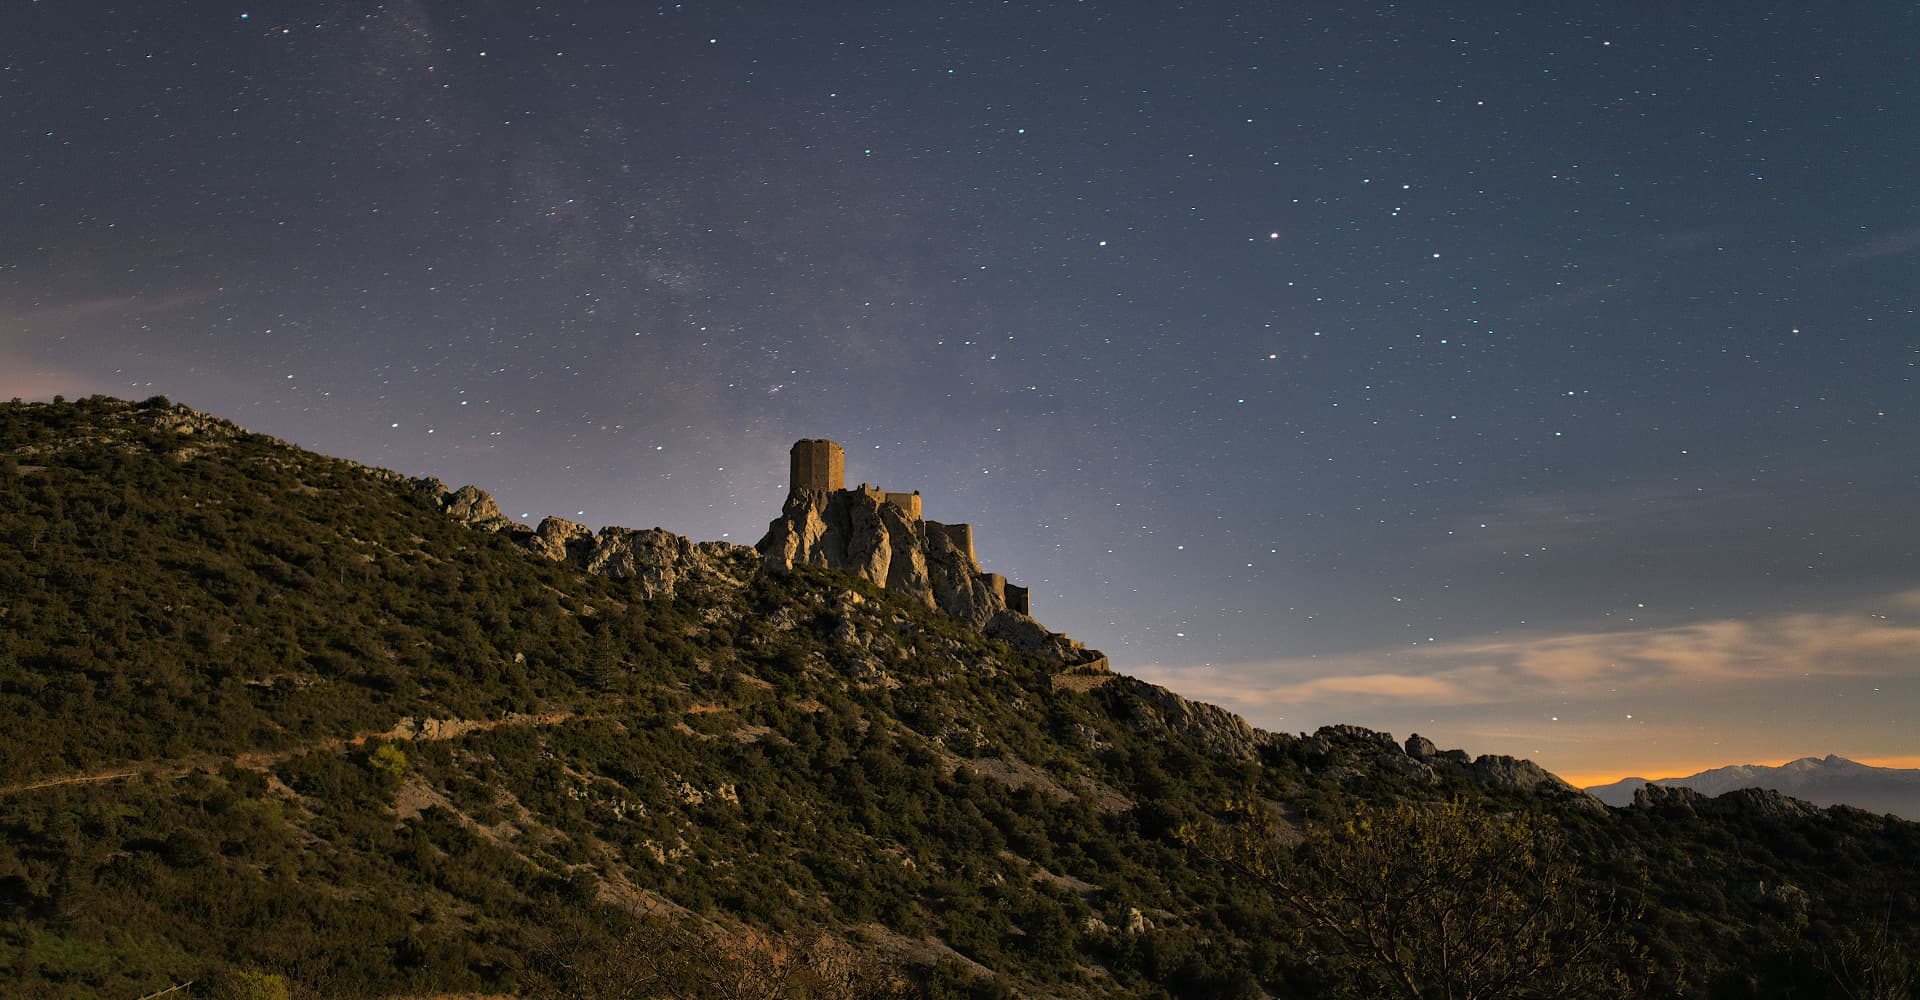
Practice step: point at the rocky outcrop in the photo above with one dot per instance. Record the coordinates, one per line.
(660, 563)
(1025, 635)
(469, 505)
(559, 539)
(1515, 773)
(1749, 803)
(1354, 751)
(862, 534)
(1221, 731)
(166, 416)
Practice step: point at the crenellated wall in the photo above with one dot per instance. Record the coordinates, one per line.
(909, 503)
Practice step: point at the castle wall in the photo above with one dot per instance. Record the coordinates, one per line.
(817, 464)
(1017, 599)
(909, 503)
(996, 584)
(961, 535)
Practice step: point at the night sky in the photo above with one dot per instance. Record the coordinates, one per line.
(1540, 378)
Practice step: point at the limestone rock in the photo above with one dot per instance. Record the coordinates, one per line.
(863, 534)
(1420, 748)
(662, 563)
(1513, 772)
(560, 539)
(182, 420)
(470, 505)
(1028, 636)
(1220, 730)
(1409, 768)
(1360, 734)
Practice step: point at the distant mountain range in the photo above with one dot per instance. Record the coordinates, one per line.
(1823, 781)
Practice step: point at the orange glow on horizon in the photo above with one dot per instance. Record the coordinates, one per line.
(1661, 773)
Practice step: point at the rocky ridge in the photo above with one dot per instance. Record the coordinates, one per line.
(858, 533)
(1750, 803)
(660, 562)
(849, 531)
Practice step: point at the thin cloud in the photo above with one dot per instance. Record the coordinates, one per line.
(1234, 687)
(1697, 657)
(39, 320)
(1895, 244)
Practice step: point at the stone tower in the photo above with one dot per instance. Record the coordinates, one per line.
(818, 464)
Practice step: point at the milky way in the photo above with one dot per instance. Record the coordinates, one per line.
(1539, 382)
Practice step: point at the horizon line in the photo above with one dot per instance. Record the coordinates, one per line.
(1585, 781)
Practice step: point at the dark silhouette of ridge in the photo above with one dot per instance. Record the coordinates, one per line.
(1824, 781)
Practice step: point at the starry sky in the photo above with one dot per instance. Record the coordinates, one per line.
(1536, 377)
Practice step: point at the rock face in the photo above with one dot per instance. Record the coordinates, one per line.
(862, 533)
(560, 539)
(470, 505)
(1219, 730)
(659, 562)
(663, 563)
(1513, 772)
(1028, 636)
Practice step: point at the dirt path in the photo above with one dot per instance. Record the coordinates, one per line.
(406, 730)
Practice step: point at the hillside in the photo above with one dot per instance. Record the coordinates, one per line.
(280, 719)
(1825, 781)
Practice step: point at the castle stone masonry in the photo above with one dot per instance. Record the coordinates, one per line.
(819, 464)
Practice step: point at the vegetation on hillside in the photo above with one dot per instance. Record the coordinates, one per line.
(273, 721)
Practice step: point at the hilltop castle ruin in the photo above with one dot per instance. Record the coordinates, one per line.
(818, 483)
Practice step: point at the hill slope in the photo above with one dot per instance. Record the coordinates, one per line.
(1826, 781)
(272, 714)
